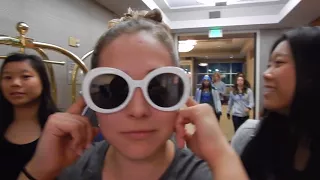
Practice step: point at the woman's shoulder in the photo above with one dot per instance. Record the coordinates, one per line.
(186, 165)
(88, 165)
(244, 135)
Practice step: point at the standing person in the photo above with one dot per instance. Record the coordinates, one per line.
(219, 85)
(25, 105)
(240, 102)
(207, 94)
(135, 122)
(285, 143)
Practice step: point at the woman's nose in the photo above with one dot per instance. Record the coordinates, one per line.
(138, 107)
(16, 82)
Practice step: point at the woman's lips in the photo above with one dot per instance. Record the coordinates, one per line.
(139, 134)
(17, 94)
(268, 90)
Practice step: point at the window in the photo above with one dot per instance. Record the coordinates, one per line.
(228, 71)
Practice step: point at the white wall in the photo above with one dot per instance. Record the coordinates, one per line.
(265, 40)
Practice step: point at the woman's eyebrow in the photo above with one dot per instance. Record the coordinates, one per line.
(276, 54)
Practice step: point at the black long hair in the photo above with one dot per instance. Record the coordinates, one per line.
(270, 155)
(47, 105)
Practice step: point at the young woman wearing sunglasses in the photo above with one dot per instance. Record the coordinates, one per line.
(136, 89)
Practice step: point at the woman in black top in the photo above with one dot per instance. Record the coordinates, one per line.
(287, 143)
(25, 104)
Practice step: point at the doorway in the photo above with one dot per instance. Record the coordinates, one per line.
(227, 55)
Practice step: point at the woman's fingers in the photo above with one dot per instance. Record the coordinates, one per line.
(79, 135)
(75, 126)
(77, 107)
(197, 113)
(180, 132)
(89, 133)
(191, 102)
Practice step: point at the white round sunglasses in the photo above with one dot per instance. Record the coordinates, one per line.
(108, 90)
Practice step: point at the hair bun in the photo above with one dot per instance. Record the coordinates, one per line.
(154, 15)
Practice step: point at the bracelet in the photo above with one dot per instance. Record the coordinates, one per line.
(29, 176)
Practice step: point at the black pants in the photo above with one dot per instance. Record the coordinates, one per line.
(238, 121)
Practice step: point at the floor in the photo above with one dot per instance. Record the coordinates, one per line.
(225, 124)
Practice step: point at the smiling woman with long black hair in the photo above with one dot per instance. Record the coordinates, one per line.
(25, 104)
(286, 144)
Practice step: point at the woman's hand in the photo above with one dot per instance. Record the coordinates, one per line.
(207, 138)
(208, 141)
(64, 138)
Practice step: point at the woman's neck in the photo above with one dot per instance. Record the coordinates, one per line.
(28, 112)
(25, 127)
(119, 167)
(240, 87)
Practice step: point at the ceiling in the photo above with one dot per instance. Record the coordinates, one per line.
(188, 16)
(226, 47)
(169, 5)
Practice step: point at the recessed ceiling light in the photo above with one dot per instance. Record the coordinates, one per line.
(187, 45)
(203, 64)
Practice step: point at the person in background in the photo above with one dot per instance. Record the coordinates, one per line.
(240, 102)
(137, 145)
(207, 94)
(219, 85)
(25, 105)
(285, 143)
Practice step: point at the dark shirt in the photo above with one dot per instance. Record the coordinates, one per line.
(185, 166)
(13, 157)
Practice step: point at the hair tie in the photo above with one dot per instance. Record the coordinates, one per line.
(154, 15)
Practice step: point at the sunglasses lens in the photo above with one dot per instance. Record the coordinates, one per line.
(166, 90)
(108, 91)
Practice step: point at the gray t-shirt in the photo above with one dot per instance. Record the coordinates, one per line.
(185, 166)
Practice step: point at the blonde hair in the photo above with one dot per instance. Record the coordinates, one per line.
(136, 21)
(216, 74)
